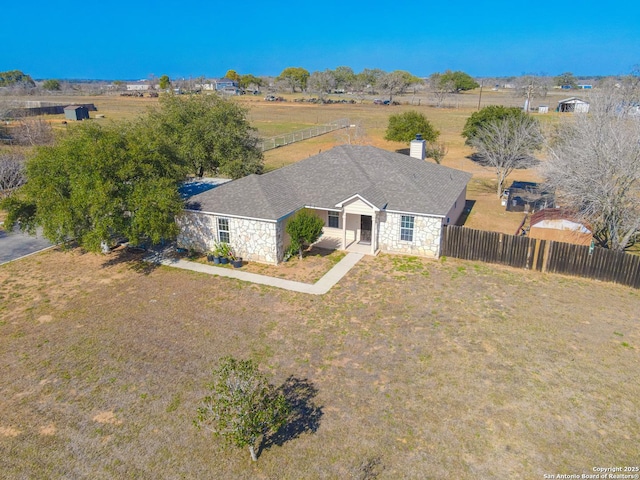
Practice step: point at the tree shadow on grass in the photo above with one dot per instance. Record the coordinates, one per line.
(304, 416)
(133, 258)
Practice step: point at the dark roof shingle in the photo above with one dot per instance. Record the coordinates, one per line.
(388, 180)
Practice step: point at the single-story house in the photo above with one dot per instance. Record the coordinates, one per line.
(559, 225)
(370, 199)
(573, 105)
(223, 83)
(76, 112)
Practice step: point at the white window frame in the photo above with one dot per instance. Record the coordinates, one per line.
(223, 230)
(406, 231)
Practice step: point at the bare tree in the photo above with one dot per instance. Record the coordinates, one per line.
(322, 83)
(12, 172)
(32, 131)
(594, 165)
(440, 90)
(530, 87)
(396, 82)
(507, 144)
(437, 151)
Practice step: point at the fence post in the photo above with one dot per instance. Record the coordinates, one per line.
(536, 252)
(546, 255)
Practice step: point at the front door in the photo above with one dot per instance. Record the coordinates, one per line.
(365, 229)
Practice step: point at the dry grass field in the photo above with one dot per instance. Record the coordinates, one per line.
(274, 118)
(408, 368)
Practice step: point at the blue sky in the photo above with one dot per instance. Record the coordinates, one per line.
(132, 40)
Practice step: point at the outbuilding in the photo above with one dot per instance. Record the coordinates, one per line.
(573, 105)
(76, 112)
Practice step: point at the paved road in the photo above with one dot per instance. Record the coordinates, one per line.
(15, 245)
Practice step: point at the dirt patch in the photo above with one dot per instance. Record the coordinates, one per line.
(9, 432)
(107, 417)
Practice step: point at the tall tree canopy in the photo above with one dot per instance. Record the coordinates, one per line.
(566, 79)
(208, 133)
(15, 77)
(51, 84)
(455, 81)
(232, 75)
(101, 181)
(295, 77)
(164, 82)
(122, 179)
(403, 127)
(396, 82)
(489, 114)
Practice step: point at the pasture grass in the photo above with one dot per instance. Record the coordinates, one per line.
(408, 368)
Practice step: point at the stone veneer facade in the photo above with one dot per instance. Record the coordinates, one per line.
(262, 241)
(253, 240)
(427, 232)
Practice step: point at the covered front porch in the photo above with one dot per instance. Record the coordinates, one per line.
(353, 226)
(335, 243)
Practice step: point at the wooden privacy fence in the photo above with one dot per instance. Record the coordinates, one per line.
(541, 255)
(299, 135)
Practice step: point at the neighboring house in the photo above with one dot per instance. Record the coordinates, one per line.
(370, 200)
(225, 83)
(76, 112)
(559, 225)
(573, 105)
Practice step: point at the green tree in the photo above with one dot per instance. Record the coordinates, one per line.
(566, 79)
(247, 80)
(345, 77)
(295, 77)
(208, 133)
(242, 406)
(403, 127)
(51, 85)
(15, 77)
(164, 82)
(232, 75)
(100, 181)
(487, 115)
(456, 81)
(304, 229)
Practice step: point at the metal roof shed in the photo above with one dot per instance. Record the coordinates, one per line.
(76, 112)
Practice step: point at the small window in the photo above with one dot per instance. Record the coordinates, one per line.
(223, 230)
(334, 220)
(406, 228)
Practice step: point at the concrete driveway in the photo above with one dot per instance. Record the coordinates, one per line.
(15, 245)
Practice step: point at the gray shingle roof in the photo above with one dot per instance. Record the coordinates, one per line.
(388, 180)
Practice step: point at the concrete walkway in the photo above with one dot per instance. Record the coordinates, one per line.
(321, 287)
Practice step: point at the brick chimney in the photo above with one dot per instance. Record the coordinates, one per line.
(418, 148)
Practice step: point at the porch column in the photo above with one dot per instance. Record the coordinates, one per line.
(344, 230)
(374, 231)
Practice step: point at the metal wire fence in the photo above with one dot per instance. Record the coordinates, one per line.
(299, 135)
